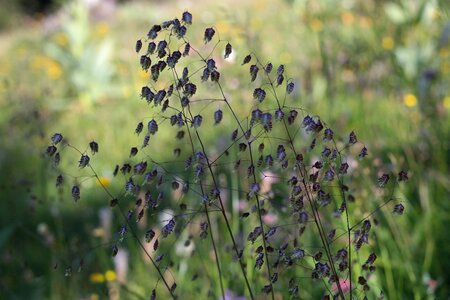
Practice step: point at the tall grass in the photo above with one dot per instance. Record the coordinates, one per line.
(268, 191)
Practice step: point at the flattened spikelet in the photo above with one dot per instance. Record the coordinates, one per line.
(215, 76)
(234, 135)
(51, 150)
(228, 50)
(186, 50)
(151, 48)
(197, 121)
(152, 126)
(133, 151)
(94, 147)
(56, 138)
(76, 193)
(259, 94)
(268, 68)
(138, 46)
(218, 116)
(187, 17)
(352, 138)
(290, 87)
(209, 33)
(153, 33)
(247, 59)
(84, 161)
(253, 72)
(139, 128)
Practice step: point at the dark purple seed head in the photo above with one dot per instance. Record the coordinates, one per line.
(209, 33)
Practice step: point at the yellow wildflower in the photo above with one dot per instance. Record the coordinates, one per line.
(222, 27)
(445, 67)
(98, 232)
(388, 43)
(53, 69)
(285, 58)
(97, 278)
(61, 39)
(110, 275)
(365, 22)
(446, 102)
(347, 18)
(256, 23)
(143, 76)
(103, 181)
(316, 25)
(101, 30)
(94, 297)
(444, 52)
(410, 100)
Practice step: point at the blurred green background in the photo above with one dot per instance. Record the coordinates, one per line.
(381, 68)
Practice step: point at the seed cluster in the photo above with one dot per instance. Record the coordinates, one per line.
(266, 169)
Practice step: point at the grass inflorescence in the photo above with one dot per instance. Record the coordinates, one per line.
(252, 185)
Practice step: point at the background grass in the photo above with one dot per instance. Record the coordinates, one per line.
(380, 68)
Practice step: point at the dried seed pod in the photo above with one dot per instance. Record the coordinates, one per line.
(328, 134)
(140, 167)
(253, 72)
(152, 126)
(197, 121)
(290, 87)
(168, 228)
(292, 116)
(146, 140)
(209, 33)
(218, 116)
(76, 193)
(51, 150)
(94, 147)
(138, 46)
(84, 161)
(383, 180)
(190, 89)
(151, 48)
(153, 33)
(115, 250)
(133, 151)
(280, 79)
(187, 17)
(352, 138)
(56, 138)
(266, 121)
(228, 50)
(155, 73)
(215, 76)
(211, 64)
(279, 115)
(247, 59)
(145, 62)
(402, 176)
(363, 153)
(234, 135)
(259, 94)
(59, 180)
(187, 48)
(268, 68)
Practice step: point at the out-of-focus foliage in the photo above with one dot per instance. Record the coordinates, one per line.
(382, 67)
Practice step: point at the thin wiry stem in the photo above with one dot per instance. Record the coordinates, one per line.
(302, 173)
(216, 254)
(257, 197)
(133, 232)
(222, 207)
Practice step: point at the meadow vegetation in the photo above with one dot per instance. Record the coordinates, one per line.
(378, 70)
